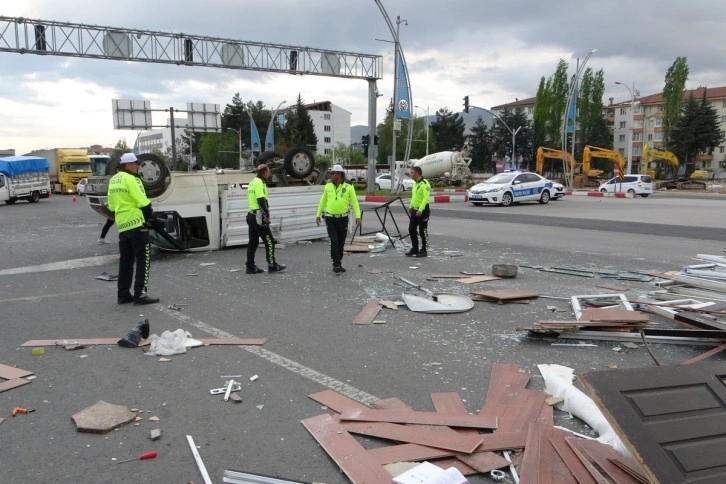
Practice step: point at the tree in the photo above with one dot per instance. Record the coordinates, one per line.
(448, 130)
(220, 149)
(549, 108)
(299, 130)
(343, 155)
(593, 127)
(480, 145)
(675, 87)
(120, 148)
(697, 130)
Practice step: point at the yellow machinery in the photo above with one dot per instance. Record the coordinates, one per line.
(686, 176)
(651, 154)
(543, 153)
(594, 152)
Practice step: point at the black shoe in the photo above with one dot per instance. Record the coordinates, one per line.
(276, 267)
(254, 270)
(145, 299)
(337, 268)
(342, 269)
(412, 253)
(125, 299)
(422, 254)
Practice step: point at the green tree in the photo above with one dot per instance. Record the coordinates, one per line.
(673, 93)
(549, 108)
(120, 148)
(593, 127)
(220, 150)
(299, 130)
(697, 130)
(448, 130)
(480, 146)
(343, 155)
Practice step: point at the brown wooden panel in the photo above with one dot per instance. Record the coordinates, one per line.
(368, 313)
(425, 418)
(541, 462)
(483, 461)
(414, 435)
(573, 463)
(451, 403)
(335, 401)
(346, 451)
(619, 315)
(671, 418)
(10, 372)
(601, 454)
(407, 452)
(14, 383)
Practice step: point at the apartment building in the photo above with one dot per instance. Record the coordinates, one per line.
(331, 124)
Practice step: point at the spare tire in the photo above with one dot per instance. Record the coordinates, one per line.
(268, 157)
(299, 163)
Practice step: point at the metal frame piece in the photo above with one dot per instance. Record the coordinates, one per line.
(577, 307)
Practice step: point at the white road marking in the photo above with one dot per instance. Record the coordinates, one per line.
(295, 367)
(66, 264)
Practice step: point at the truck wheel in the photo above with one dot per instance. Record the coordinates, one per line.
(152, 171)
(299, 163)
(34, 197)
(268, 157)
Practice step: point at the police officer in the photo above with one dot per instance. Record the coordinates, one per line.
(132, 210)
(338, 197)
(258, 223)
(419, 213)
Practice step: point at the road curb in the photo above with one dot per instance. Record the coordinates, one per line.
(434, 199)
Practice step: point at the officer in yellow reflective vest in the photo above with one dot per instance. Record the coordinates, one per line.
(419, 213)
(338, 197)
(258, 223)
(127, 200)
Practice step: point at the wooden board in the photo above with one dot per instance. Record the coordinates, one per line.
(356, 248)
(669, 417)
(414, 435)
(407, 452)
(13, 383)
(616, 315)
(501, 295)
(475, 279)
(114, 341)
(368, 313)
(350, 456)
(10, 372)
(424, 418)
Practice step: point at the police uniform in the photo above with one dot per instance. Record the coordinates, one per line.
(419, 202)
(335, 204)
(259, 226)
(127, 200)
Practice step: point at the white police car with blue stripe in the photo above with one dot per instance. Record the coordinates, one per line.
(515, 186)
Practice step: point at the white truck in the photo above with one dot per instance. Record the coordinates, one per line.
(24, 178)
(207, 210)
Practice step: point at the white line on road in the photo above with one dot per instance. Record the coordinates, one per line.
(295, 367)
(66, 264)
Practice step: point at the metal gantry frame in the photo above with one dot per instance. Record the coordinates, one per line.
(47, 37)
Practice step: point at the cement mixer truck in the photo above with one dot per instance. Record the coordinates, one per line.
(448, 167)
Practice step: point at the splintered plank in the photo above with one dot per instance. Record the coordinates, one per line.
(424, 418)
(335, 401)
(350, 456)
(13, 383)
(356, 248)
(573, 462)
(10, 372)
(521, 410)
(483, 461)
(407, 452)
(414, 435)
(602, 454)
(541, 462)
(505, 379)
(505, 295)
(368, 313)
(614, 315)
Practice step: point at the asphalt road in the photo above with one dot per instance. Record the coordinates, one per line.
(49, 258)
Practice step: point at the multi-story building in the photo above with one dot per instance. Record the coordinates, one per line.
(331, 124)
(644, 120)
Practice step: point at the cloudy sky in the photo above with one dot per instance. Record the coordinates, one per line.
(494, 51)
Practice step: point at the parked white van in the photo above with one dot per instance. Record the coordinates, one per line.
(631, 184)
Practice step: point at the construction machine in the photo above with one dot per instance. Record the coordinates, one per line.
(590, 152)
(544, 152)
(686, 177)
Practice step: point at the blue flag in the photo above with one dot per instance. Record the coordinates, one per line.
(402, 96)
(570, 120)
(254, 135)
(270, 136)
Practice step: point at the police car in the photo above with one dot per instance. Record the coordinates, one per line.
(515, 186)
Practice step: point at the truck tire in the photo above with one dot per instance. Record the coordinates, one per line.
(152, 171)
(267, 158)
(34, 197)
(299, 163)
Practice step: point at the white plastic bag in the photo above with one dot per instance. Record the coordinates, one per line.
(171, 343)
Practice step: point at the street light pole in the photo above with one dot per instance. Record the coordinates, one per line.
(239, 134)
(629, 165)
(427, 127)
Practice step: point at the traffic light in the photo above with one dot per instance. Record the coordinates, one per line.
(365, 140)
(466, 104)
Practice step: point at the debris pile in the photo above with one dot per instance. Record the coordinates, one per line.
(514, 420)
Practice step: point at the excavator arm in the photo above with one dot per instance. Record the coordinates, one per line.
(652, 154)
(543, 152)
(595, 152)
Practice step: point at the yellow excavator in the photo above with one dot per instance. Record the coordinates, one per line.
(590, 152)
(686, 176)
(543, 152)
